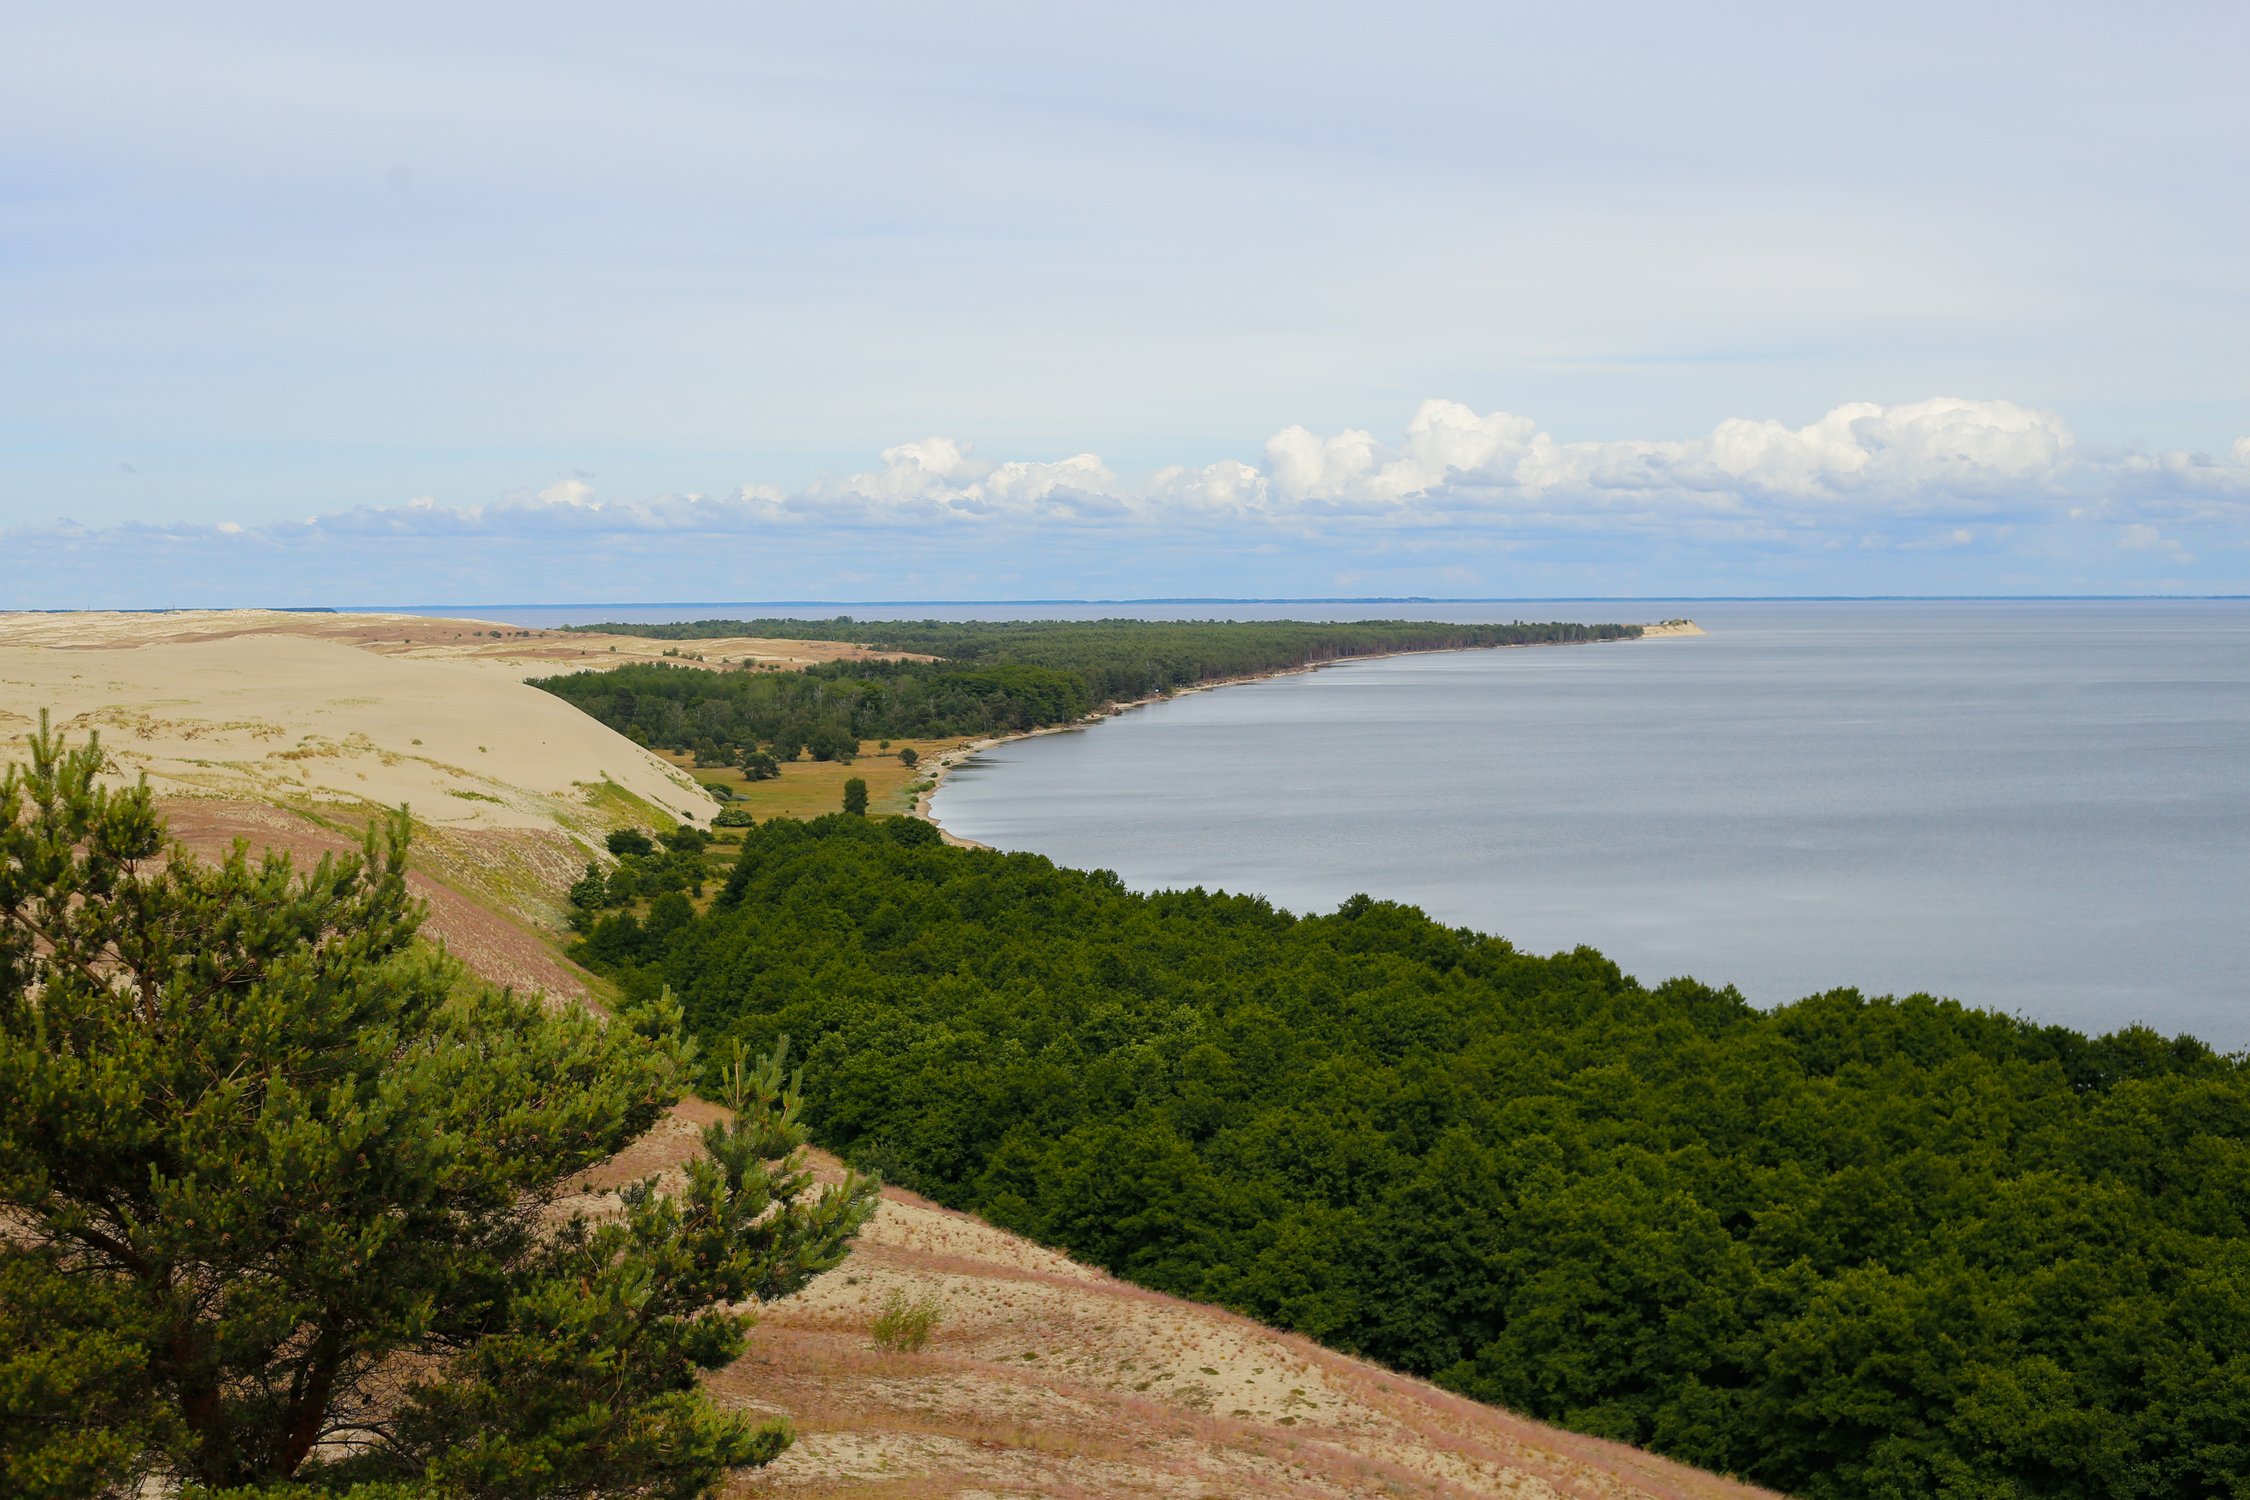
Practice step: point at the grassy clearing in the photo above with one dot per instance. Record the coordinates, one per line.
(808, 788)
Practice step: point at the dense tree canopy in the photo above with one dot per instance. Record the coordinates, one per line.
(992, 677)
(1850, 1247)
(274, 1182)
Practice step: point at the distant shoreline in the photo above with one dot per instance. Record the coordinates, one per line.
(465, 611)
(945, 765)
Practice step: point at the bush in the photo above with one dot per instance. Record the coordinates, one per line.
(590, 890)
(733, 817)
(904, 1324)
(626, 841)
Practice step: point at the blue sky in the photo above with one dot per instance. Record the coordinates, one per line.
(511, 303)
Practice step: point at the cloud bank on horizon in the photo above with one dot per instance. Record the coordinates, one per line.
(1461, 502)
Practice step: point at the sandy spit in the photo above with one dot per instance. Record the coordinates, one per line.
(944, 765)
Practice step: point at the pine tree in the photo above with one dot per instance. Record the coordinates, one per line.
(590, 891)
(277, 1187)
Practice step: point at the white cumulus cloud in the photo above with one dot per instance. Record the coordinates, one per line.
(1943, 454)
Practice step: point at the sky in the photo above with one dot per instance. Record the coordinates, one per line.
(422, 304)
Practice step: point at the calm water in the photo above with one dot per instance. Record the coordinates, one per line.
(2041, 808)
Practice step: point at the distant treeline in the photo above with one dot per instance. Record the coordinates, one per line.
(994, 677)
(1848, 1248)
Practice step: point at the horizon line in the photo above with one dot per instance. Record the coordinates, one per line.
(1302, 599)
(1184, 599)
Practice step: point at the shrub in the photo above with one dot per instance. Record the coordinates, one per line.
(904, 1324)
(624, 841)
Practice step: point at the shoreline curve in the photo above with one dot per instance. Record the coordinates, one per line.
(945, 765)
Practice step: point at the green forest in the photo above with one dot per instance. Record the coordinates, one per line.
(990, 677)
(1850, 1247)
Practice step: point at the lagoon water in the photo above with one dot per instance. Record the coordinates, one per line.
(2035, 807)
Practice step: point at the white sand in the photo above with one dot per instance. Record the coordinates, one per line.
(285, 718)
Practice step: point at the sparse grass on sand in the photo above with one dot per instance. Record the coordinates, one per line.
(808, 788)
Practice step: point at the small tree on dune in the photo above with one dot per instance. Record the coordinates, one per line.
(277, 1188)
(590, 890)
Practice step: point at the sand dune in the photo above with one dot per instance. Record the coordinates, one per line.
(293, 730)
(293, 719)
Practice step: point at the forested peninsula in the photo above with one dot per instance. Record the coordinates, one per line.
(972, 677)
(1849, 1247)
